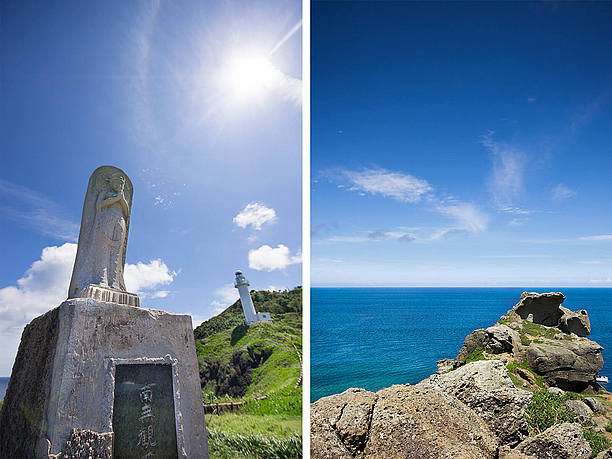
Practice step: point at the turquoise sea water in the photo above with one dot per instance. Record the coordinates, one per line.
(375, 337)
(3, 386)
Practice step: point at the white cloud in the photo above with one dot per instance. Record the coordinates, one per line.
(466, 215)
(600, 237)
(402, 187)
(508, 170)
(266, 258)
(601, 281)
(255, 214)
(142, 278)
(225, 296)
(44, 286)
(561, 192)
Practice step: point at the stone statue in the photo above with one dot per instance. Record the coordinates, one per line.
(98, 268)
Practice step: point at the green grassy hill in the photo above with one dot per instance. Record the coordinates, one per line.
(243, 363)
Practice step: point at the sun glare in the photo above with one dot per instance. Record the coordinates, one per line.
(250, 76)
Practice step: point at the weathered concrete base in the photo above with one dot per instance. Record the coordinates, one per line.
(109, 295)
(64, 375)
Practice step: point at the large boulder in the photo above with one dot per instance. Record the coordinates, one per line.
(476, 339)
(578, 408)
(339, 423)
(496, 339)
(502, 339)
(570, 365)
(561, 441)
(594, 404)
(540, 308)
(575, 322)
(486, 387)
(411, 421)
(400, 421)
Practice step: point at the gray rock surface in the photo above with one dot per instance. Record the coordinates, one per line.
(478, 338)
(561, 441)
(578, 408)
(28, 389)
(445, 365)
(575, 322)
(419, 422)
(544, 307)
(340, 423)
(570, 365)
(606, 454)
(502, 339)
(556, 391)
(400, 421)
(594, 404)
(486, 387)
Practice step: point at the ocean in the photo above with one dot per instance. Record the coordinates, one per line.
(376, 337)
(3, 387)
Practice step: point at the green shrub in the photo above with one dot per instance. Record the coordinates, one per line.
(512, 366)
(475, 355)
(597, 441)
(546, 410)
(609, 427)
(225, 445)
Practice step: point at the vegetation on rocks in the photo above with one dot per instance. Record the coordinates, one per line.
(257, 366)
(546, 410)
(597, 441)
(475, 355)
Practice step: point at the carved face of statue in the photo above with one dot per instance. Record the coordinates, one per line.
(116, 183)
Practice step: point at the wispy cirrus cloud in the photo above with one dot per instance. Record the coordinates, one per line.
(561, 192)
(509, 163)
(599, 237)
(36, 212)
(466, 217)
(396, 185)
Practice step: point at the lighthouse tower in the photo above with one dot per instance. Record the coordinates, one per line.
(247, 303)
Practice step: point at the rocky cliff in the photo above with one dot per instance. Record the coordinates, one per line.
(522, 388)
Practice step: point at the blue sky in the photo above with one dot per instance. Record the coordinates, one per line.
(461, 144)
(199, 102)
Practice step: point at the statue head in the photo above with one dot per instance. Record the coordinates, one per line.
(116, 182)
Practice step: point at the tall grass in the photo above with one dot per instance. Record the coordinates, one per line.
(224, 445)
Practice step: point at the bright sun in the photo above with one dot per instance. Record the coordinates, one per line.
(249, 76)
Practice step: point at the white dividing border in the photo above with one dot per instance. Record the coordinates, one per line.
(306, 226)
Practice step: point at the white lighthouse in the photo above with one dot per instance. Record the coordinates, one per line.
(247, 303)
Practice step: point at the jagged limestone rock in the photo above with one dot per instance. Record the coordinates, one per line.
(543, 307)
(594, 404)
(578, 408)
(410, 421)
(561, 441)
(575, 322)
(445, 365)
(476, 339)
(348, 415)
(606, 454)
(570, 365)
(400, 421)
(486, 387)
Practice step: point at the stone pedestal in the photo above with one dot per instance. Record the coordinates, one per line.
(65, 374)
